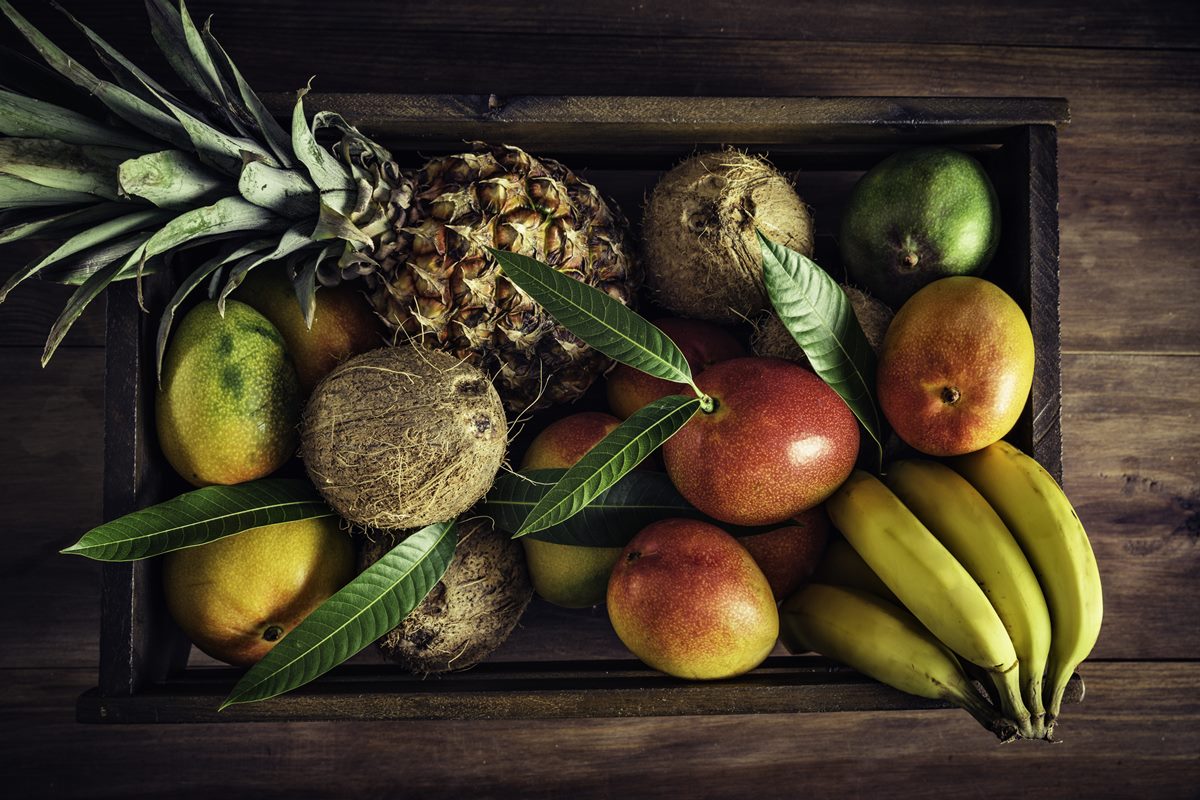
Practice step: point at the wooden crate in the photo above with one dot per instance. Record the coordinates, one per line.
(563, 663)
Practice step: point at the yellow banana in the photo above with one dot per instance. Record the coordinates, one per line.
(921, 572)
(1043, 522)
(883, 641)
(962, 520)
(841, 566)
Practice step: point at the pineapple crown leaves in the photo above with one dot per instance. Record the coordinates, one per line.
(124, 194)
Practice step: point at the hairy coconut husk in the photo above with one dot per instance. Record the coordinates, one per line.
(402, 437)
(703, 258)
(772, 339)
(472, 609)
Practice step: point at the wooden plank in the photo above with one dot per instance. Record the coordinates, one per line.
(1044, 23)
(1132, 461)
(1133, 736)
(539, 690)
(28, 313)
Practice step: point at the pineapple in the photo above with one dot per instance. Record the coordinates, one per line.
(123, 195)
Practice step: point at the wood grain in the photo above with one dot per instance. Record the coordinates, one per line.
(1129, 172)
(1118, 23)
(1134, 736)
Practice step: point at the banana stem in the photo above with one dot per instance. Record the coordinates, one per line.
(1032, 693)
(1054, 690)
(985, 715)
(1008, 692)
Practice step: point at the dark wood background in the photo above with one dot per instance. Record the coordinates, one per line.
(1130, 195)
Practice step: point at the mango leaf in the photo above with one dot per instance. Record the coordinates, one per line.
(820, 318)
(598, 319)
(354, 617)
(611, 519)
(199, 517)
(610, 460)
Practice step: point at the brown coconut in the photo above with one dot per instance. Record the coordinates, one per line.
(402, 437)
(772, 339)
(702, 256)
(472, 609)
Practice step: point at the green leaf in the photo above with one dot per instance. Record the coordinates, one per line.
(194, 279)
(167, 29)
(199, 517)
(74, 271)
(336, 187)
(305, 282)
(121, 102)
(85, 240)
(284, 191)
(217, 148)
(293, 239)
(598, 319)
(228, 215)
(53, 223)
(610, 460)
(270, 129)
(365, 609)
(89, 290)
(611, 519)
(20, 193)
(170, 179)
(820, 318)
(127, 74)
(35, 119)
(59, 165)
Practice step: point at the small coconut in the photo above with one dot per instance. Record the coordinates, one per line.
(402, 437)
(472, 609)
(702, 256)
(772, 339)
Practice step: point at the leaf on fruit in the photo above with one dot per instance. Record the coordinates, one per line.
(602, 322)
(354, 617)
(820, 318)
(201, 516)
(611, 519)
(612, 458)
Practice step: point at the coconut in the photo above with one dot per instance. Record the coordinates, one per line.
(702, 256)
(470, 612)
(772, 339)
(402, 437)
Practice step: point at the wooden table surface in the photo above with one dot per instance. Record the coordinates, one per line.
(1130, 195)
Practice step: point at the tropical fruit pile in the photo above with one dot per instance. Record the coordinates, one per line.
(782, 458)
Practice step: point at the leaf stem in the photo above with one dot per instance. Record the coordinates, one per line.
(708, 404)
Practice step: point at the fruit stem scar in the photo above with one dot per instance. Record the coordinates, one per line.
(950, 395)
(910, 260)
(272, 633)
(634, 556)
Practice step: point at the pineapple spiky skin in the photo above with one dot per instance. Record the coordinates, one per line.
(438, 283)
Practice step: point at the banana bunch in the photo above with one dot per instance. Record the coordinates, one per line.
(980, 569)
